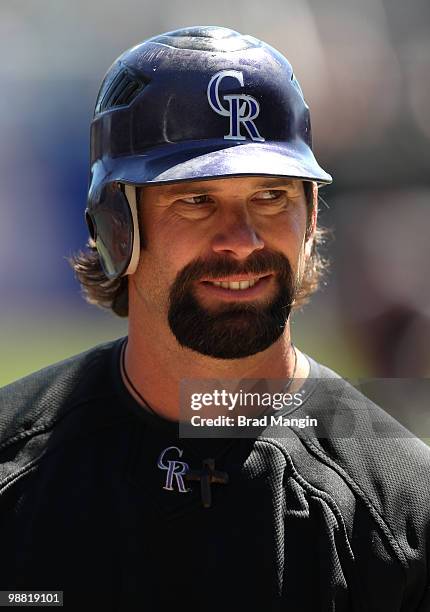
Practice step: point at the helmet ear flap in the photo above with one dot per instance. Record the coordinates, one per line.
(130, 196)
(112, 222)
(91, 226)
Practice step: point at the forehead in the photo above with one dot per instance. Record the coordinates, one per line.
(222, 186)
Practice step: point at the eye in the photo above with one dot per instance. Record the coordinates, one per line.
(269, 195)
(197, 200)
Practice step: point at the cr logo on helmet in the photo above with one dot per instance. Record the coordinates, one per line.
(239, 113)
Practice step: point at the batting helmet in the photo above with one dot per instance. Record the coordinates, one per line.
(196, 103)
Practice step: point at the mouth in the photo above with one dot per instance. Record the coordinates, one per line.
(237, 287)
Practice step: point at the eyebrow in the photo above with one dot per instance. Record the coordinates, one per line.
(201, 188)
(281, 182)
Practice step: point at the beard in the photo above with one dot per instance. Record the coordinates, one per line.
(233, 330)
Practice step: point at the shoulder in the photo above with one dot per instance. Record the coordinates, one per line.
(378, 453)
(374, 475)
(42, 398)
(384, 465)
(362, 438)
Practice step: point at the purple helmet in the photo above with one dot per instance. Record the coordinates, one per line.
(197, 103)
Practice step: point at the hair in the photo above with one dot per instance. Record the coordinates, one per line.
(112, 294)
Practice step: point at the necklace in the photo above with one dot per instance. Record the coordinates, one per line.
(127, 378)
(290, 382)
(152, 411)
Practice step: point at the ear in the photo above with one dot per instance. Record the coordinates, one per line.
(310, 232)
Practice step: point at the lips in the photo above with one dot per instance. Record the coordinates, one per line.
(237, 286)
(235, 283)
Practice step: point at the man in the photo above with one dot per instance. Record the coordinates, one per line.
(202, 212)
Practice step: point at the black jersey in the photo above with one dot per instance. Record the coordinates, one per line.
(96, 501)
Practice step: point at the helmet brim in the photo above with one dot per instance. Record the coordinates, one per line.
(200, 160)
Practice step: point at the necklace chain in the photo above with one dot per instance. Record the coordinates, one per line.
(140, 396)
(290, 382)
(127, 378)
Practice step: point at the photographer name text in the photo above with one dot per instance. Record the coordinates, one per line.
(273, 420)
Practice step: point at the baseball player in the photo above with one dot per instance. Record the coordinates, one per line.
(202, 214)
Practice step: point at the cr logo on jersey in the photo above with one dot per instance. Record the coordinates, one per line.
(242, 108)
(175, 469)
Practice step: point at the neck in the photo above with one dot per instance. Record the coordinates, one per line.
(156, 364)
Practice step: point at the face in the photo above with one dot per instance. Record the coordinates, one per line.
(222, 261)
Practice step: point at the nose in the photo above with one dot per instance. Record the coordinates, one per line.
(236, 236)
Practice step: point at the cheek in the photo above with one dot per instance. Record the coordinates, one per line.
(287, 235)
(169, 247)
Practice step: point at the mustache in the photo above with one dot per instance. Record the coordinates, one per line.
(225, 266)
(261, 262)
